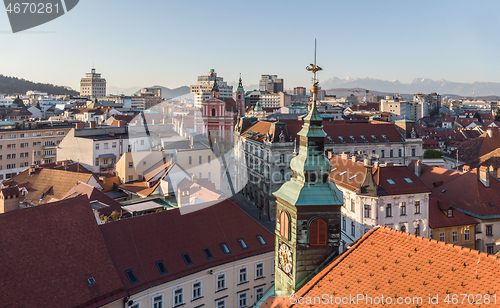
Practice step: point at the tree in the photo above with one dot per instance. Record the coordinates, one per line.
(497, 115)
(430, 153)
(478, 116)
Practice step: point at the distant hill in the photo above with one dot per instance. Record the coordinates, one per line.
(423, 85)
(14, 85)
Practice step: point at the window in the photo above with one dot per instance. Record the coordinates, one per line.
(97, 146)
(388, 210)
(353, 206)
(213, 112)
(242, 300)
(259, 270)
(403, 228)
(489, 230)
(158, 301)
(208, 253)
(317, 233)
(368, 209)
(400, 153)
(391, 153)
(225, 249)
(390, 181)
(178, 296)
(353, 229)
(130, 178)
(209, 176)
(187, 259)
(450, 213)
(344, 224)
(221, 303)
(403, 209)
(261, 240)
(242, 275)
(161, 267)
(200, 160)
(408, 180)
(467, 235)
(131, 277)
(285, 225)
(282, 174)
(242, 243)
(413, 152)
(142, 141)
(130, 164)
(190, 160)
(97, 161)
(417, 230)
(441, 237)
(105, 145)
(259, 293)
(382, 153)
(417, 207)
(197, 290)
(454, 236)
(490, 250)
(221, 282)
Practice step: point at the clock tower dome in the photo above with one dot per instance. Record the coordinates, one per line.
(307, 210)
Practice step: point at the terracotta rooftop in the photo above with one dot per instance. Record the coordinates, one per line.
(164, 236)
(48, 264)
(434, 176)
(93, 194)
(400, 265)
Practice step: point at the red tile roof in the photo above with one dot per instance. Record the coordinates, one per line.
(395, 264)
(434, 176)
(48, 263)
(94, 194)
(467, 193)
(438, 219)
(138, 243)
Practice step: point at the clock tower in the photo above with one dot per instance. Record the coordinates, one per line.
(240, 99)
(307, 210)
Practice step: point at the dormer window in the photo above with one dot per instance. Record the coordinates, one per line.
(353, 139)
(341, 139)
(374, 138)
(450, 213)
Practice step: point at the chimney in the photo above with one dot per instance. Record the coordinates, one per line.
(490, 132)
(417, 168)
(465, 168)
(484, 176)
(191, 142)
(152, 121)
(31, 170)
(92, 124)
(344, 155)
(79, 125)
(354, 159)
(193, 178)
(376, 164)
(367, 162)
(389, 164)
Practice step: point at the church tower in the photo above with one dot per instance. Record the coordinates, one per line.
(307, 210)
(240, 99)
(215, 89)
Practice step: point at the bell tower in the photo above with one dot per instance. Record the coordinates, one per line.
(240, 99)
(308, 208)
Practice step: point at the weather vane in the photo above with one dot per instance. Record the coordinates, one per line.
(313, 67)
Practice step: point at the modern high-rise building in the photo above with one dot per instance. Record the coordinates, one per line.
(299, 91)
(93, 85)
(271, 84)
(203, 88)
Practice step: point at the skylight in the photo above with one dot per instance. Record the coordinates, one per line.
(208, 253)
(242, 243)
(225, 249)
(374, 138)
(391, 182)
(187, 259)
(261, 240)
(352, 177)
(161, 267)
(409, 180)
(343, 172)
(131, 277)
(333, 169)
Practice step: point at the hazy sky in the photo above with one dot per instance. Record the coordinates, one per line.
(170, 43)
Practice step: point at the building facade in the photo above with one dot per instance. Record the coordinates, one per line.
(203, 88)
(93, 85)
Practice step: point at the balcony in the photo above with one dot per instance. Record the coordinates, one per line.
(49, 156)
(52, 146)
(104, 167)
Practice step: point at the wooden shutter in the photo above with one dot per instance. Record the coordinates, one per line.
(317, 233)
(284, 225)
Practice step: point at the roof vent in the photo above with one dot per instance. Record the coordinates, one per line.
(91, 281)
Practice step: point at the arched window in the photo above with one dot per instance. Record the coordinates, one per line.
(213, 112)
(317, 232)
(285, 225)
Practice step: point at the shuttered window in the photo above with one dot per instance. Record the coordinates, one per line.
(317, 233)
(284, 225)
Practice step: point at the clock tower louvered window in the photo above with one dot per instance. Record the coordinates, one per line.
(317, 233)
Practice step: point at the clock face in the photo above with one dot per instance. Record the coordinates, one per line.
(285, 258)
